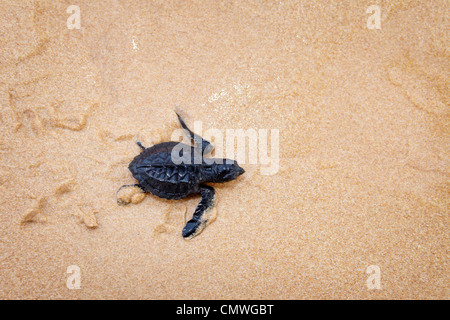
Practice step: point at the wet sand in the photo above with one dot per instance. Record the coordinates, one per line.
(363, 120)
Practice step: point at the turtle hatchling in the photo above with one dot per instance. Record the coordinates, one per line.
(174, 170)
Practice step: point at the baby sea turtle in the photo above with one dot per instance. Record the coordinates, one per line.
(173, 170)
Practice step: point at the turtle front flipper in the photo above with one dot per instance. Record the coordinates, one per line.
(204, 214)
(199, 141)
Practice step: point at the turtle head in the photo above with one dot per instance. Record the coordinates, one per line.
(227, 171)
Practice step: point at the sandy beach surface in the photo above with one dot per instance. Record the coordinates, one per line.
(357, 207)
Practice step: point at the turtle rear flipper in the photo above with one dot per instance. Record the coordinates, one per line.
(140, 145)
(204, 213)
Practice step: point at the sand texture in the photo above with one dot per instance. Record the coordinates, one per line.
(364, 145)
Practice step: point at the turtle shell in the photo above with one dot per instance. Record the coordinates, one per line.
(159, 175)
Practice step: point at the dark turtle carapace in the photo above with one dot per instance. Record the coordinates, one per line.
(173, 170)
